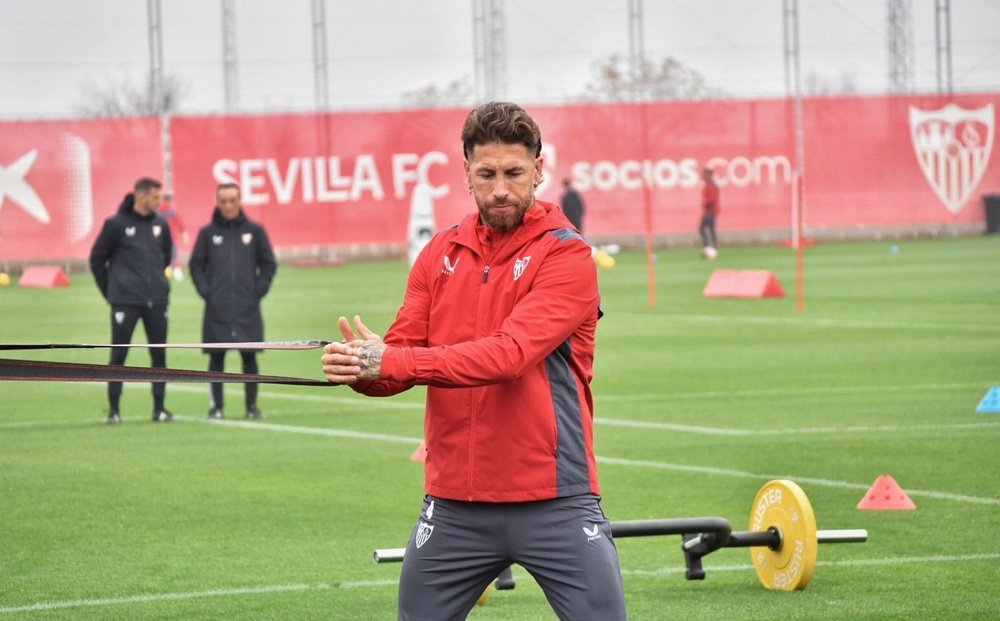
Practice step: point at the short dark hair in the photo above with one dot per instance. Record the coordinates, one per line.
(227, 186)
(503, 122)
(145, 184)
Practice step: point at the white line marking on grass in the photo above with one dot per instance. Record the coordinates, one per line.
(839, 323)
(901, 560)
(361, 435)
(940, 558)
(794, 392)
(359, 402)
(611, 460)
(159, 597)
(319, 431)
(790, 431)
(279, 588)
(37, 423)
(667, 571)
(368, 583)
(741, 474)
(345, 433)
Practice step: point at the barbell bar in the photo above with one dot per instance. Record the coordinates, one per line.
(783, 538)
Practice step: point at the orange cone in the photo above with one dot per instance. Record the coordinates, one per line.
(886, 495)
(421, 453)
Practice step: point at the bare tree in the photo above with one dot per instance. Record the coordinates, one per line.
(816, 83)
(667, 79)
(123, 98)
(455, 93)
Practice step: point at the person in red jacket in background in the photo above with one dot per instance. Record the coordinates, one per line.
(709, 213)
(498, 321)
(178, 232)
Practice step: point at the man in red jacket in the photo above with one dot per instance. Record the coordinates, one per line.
(498, 320)
(709, 212)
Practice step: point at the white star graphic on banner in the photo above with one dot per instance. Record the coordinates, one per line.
(14, 187)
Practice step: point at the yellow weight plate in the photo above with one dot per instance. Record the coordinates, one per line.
(485, 596)
(782, 504)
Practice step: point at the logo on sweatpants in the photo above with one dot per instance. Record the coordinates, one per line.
(424, 532)
(592, 533)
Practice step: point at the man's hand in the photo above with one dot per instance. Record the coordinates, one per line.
(358, 356)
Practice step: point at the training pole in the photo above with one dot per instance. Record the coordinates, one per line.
(798, 177)
(647, 211)
(799, 267)
(637, 61)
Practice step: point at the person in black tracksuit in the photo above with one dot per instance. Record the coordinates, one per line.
(572, 204)
(232, 266)
(128, 260)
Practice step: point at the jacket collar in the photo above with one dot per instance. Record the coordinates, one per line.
(217, 219)
(539, 218)
(127, 207)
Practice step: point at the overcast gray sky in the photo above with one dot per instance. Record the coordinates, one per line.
(51, 49)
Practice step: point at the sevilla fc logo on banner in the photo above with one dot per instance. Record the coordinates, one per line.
(953, 147)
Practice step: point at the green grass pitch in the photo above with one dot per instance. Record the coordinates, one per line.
(698, 403)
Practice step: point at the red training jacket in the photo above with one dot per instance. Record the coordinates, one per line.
(501, 327)
(710, 198)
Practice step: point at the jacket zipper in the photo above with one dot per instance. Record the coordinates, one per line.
(472, 425)
(149, 244)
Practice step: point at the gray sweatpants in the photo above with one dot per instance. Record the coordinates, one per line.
(457, 548)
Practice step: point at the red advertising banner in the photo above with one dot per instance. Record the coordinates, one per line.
(59, 180)
(336, 179)
(348, 179)
(899, 160)
(869, 161)
(321, 180)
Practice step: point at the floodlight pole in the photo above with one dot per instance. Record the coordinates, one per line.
(321, 79)
(321, 82)
(637, 61)
(942, 36)
(900, 26)
(490, 48)
(156, 98)
(155, 55)
(230, 67)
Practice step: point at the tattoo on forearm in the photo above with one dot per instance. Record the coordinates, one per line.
(370, 359)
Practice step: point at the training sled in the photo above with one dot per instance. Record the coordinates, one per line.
(783, 538)
(44, 277)
(743, 284)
